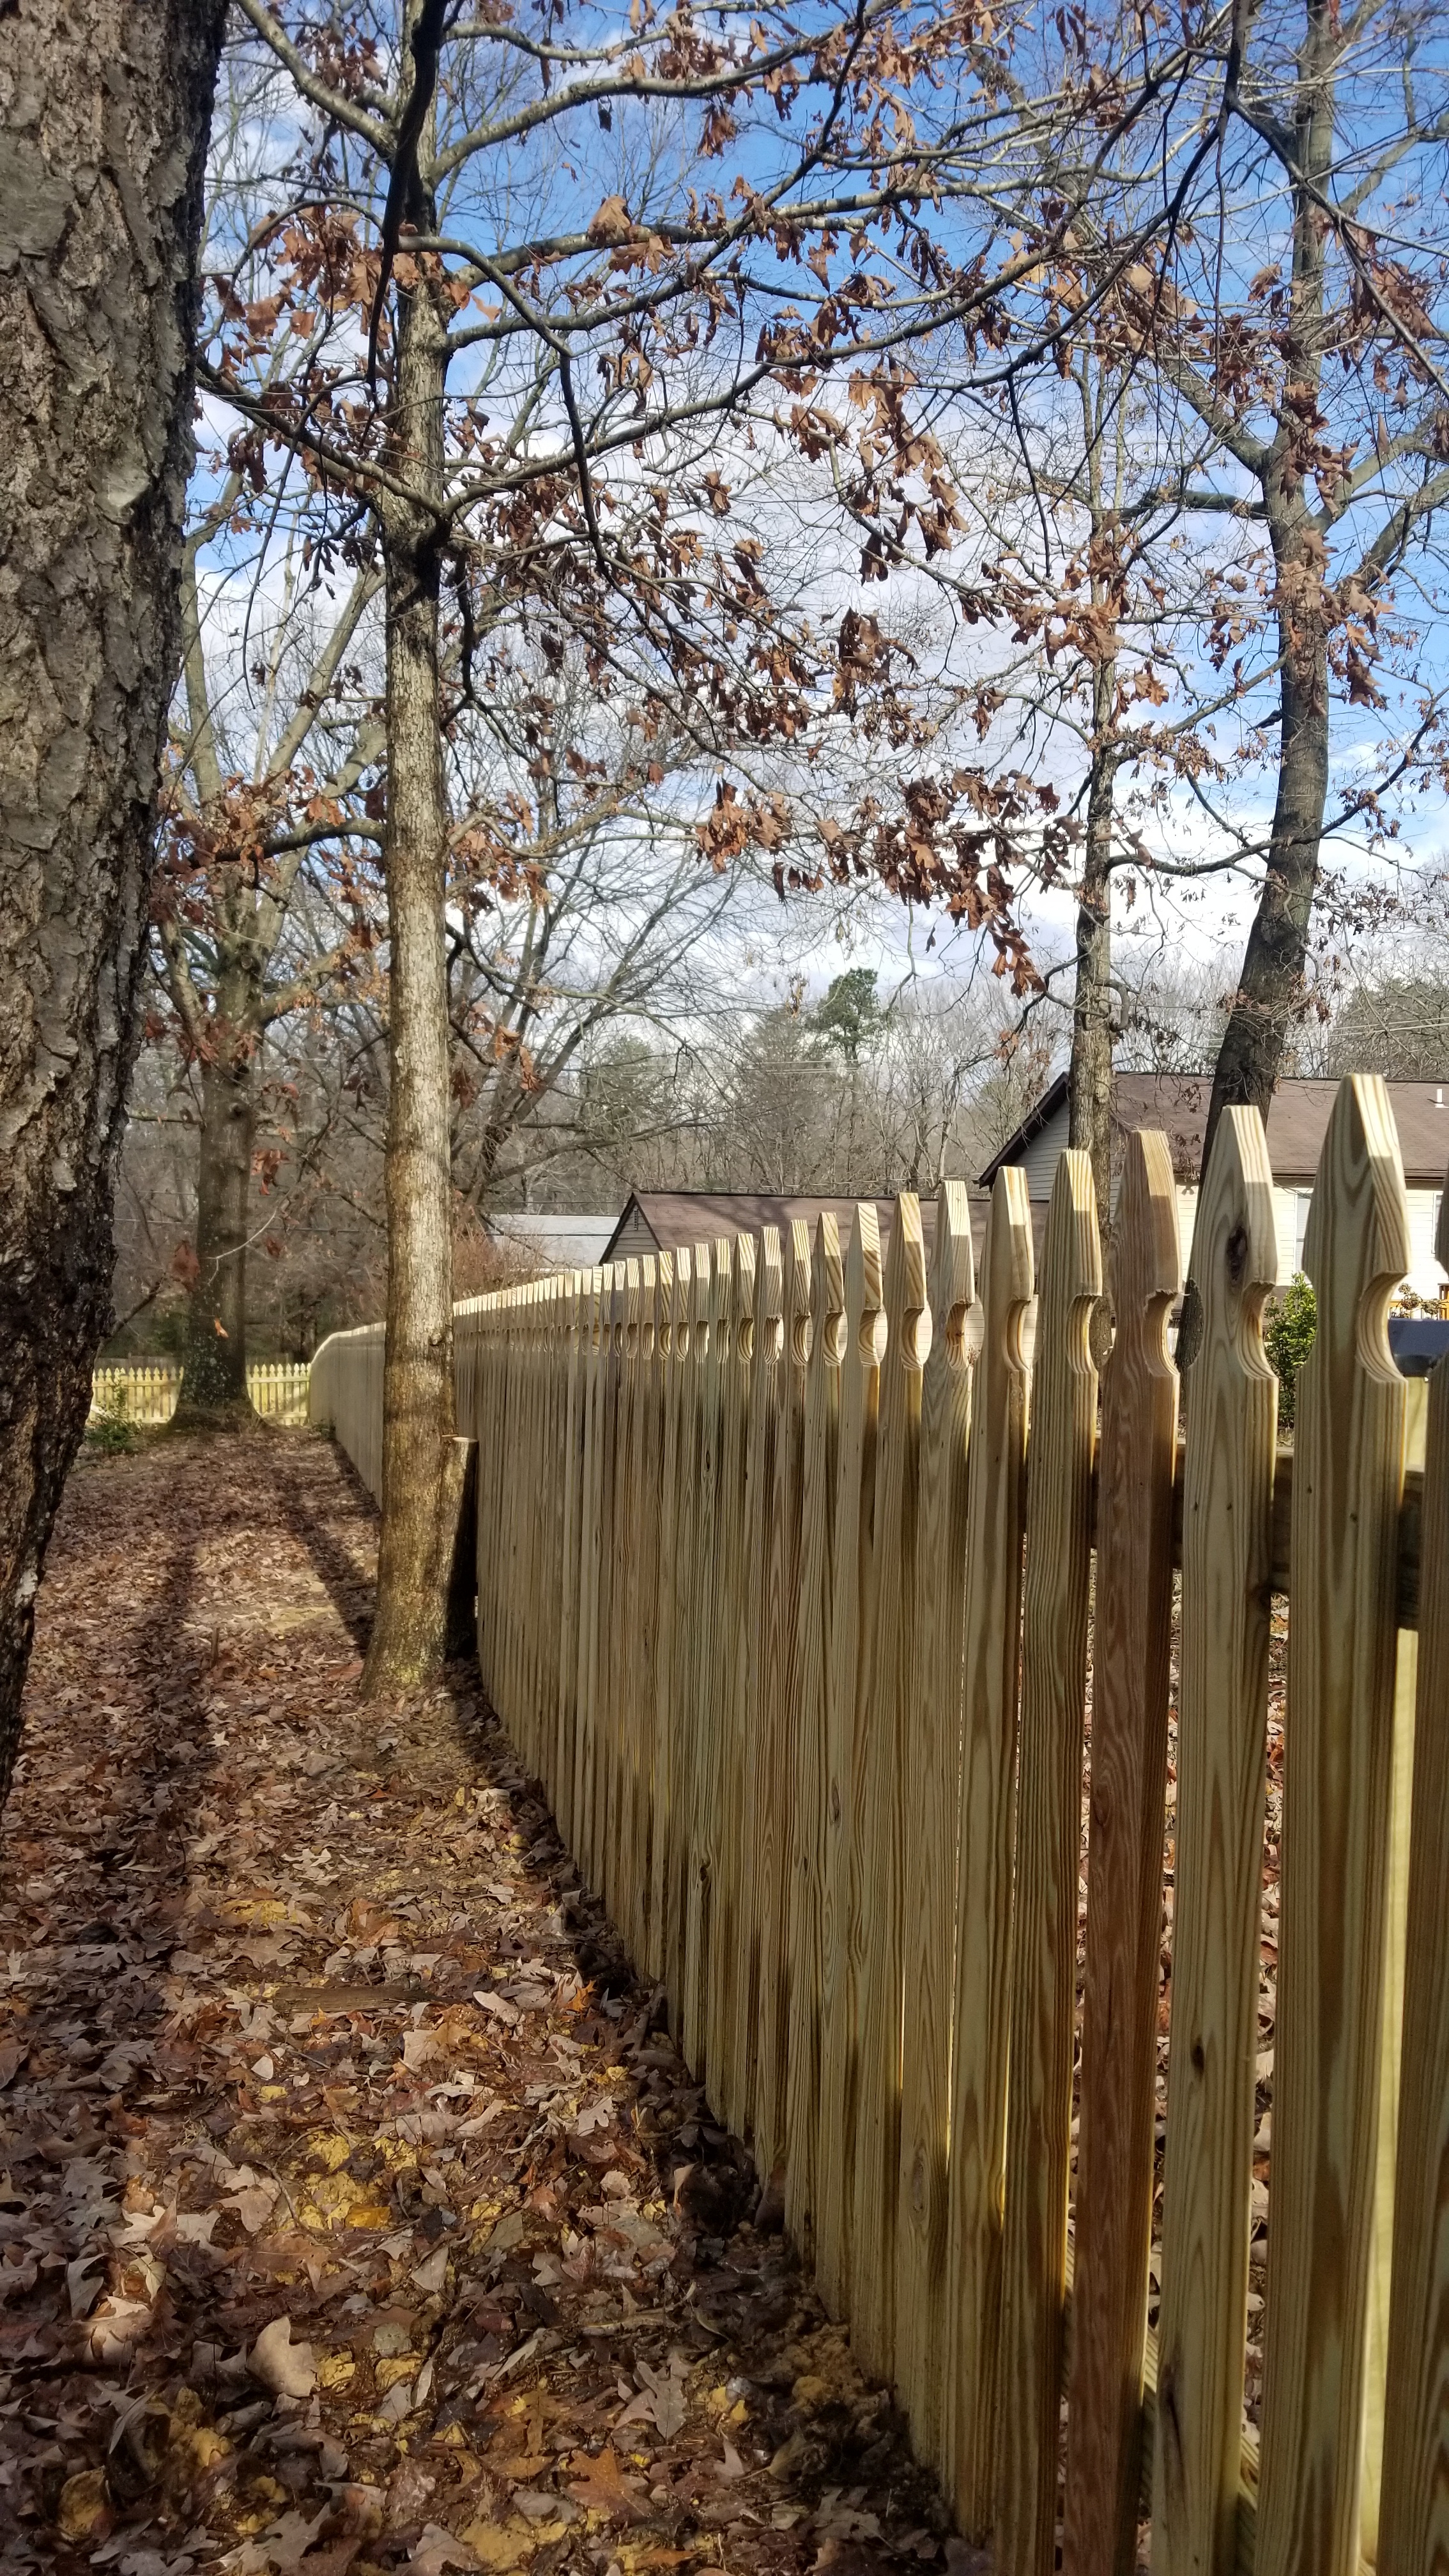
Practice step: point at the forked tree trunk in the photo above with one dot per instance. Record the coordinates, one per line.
(419, 1490)
(214, 1375)
(105, 107)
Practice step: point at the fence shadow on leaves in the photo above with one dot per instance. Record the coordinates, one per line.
(794, 1560)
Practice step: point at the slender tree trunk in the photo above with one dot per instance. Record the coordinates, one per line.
(105, 107)
(419, 1499)
(214, 1376)
(1089, 1077)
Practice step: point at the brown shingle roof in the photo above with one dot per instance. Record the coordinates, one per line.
(1297, 1123)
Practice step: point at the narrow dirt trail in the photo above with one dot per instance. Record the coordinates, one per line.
(354, 2213)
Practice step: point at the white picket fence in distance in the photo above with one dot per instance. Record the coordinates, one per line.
(145, 1393)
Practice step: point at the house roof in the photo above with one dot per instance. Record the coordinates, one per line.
(678, 1217)
(1297, 1124)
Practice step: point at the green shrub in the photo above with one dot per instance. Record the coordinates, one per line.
(111, 1431)
(1288, 1338)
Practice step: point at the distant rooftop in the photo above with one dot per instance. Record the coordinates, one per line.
(1177, 1103)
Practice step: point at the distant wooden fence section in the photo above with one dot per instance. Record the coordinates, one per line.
(146, 1392)
(794, 1570)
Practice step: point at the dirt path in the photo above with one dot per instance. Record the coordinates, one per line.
(352, 2214)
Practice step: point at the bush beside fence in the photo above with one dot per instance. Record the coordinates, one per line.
(792, 1569)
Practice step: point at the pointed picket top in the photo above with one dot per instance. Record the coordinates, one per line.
(745, 1263)
(1146, 1256)
(827, 1292)
(664, 1305)
(1357, 1248)
(1236, 1229)
(1008, 1269)
(955, 1310)
(769, 1296)
(798, 1287)
(1070, 1279)
(908, 1314)
(721, 1294)
(864, 1300)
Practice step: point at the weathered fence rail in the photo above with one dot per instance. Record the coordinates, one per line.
(145, 1392)
(797, 1573)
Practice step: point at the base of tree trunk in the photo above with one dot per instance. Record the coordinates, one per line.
(237, 1413)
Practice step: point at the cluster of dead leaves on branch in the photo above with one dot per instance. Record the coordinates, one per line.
(355, 2210)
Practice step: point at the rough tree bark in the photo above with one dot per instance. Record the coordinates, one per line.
(1270, 987)
(419, 1473)
(105, 109)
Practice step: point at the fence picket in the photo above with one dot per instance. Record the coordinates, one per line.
(774, 1803)
(995, 1518)
(879, 1858)
(1232, 1402)
(748, 1717)
(854, 1518)
(1414, 2516)
(1348, 1477)
(930, 1757)
(1056, 1593)
(803, 2150)
(1131, 1655)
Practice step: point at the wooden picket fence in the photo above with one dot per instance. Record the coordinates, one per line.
(796, 1571)
(145, 1392)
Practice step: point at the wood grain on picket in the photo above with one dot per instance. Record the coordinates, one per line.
(1413, 2537)
(1131, 1651)
(995, 1520)
(1232, 1401)
(1349, 1465)
(1056, 1594)
(854, 1526)
(930, 1754)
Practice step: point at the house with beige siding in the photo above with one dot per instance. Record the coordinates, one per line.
(1297, 1124)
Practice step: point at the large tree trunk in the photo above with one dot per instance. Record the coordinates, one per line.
(1270, 987)
(105, 107)
(214, 1377)
(419, 1499)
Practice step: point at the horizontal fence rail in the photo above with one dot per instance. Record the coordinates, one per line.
(146, 1393)
(817, 1588)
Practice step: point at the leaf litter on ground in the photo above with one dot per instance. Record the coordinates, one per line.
(356, 2211)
